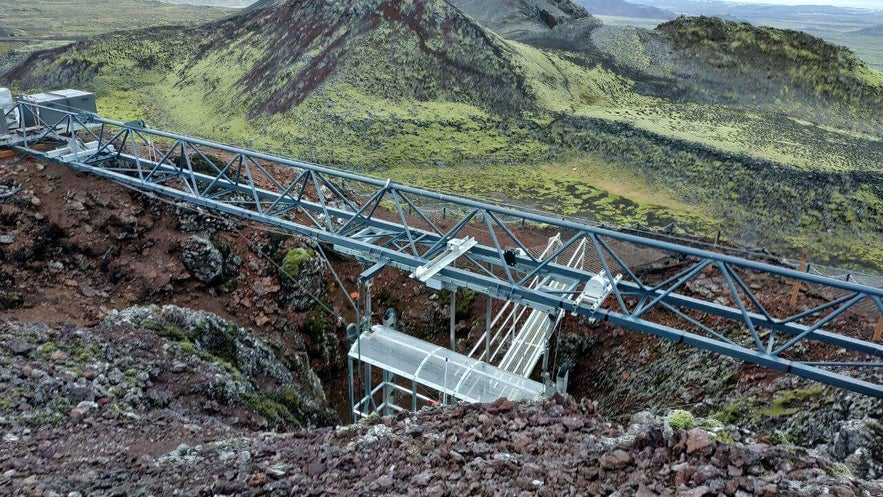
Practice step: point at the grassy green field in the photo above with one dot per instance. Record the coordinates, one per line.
(72, 19)
(29, 26)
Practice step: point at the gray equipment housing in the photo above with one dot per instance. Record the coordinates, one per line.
(66, 101)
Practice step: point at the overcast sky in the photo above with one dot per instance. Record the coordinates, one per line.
(865, 4)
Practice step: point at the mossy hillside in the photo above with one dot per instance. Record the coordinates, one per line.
(803, 61)
(8, 46)
(568, 83)
(583, 186)
(560, 84)
(340, 125)
(361, 113)
(364, 113)
(758, 201)
(448, 56)
(774, 137)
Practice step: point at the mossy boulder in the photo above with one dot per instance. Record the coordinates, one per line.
(302, 276)
(10, 299)
(293, 261)
(681, 420)
(285, 391)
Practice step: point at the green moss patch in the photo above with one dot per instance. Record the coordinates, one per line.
(293, 261)
(280, 407)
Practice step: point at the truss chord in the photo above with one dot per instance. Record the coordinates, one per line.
(845, 364)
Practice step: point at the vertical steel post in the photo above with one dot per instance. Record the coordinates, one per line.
(387, 410)
(453, 319)
(349, 363)
(366, 326)
(370, 403)
(414, 395)
(487, 328)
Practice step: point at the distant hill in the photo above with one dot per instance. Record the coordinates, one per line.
(519, 19)
(621, 8)
(872, 31)
(765, 10)
(212, 3)
(801, 61)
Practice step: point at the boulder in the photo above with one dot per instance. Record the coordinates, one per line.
(204, 261)
(302, 276)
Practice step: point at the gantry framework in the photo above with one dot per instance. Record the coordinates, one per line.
(453, 242)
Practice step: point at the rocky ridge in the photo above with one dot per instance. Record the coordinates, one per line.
(143, 381)
(554, 447)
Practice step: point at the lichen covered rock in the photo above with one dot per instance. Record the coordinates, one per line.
(248, 361)
(204, 261)
(302, 276)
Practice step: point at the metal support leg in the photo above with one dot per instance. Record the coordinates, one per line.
(487, 329)
(453, 320)
(370, 404)
(413, 396)
(349, 363)
(368, 310)
(366, 327)
(387, 397)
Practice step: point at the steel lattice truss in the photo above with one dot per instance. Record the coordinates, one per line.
(387, 224)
